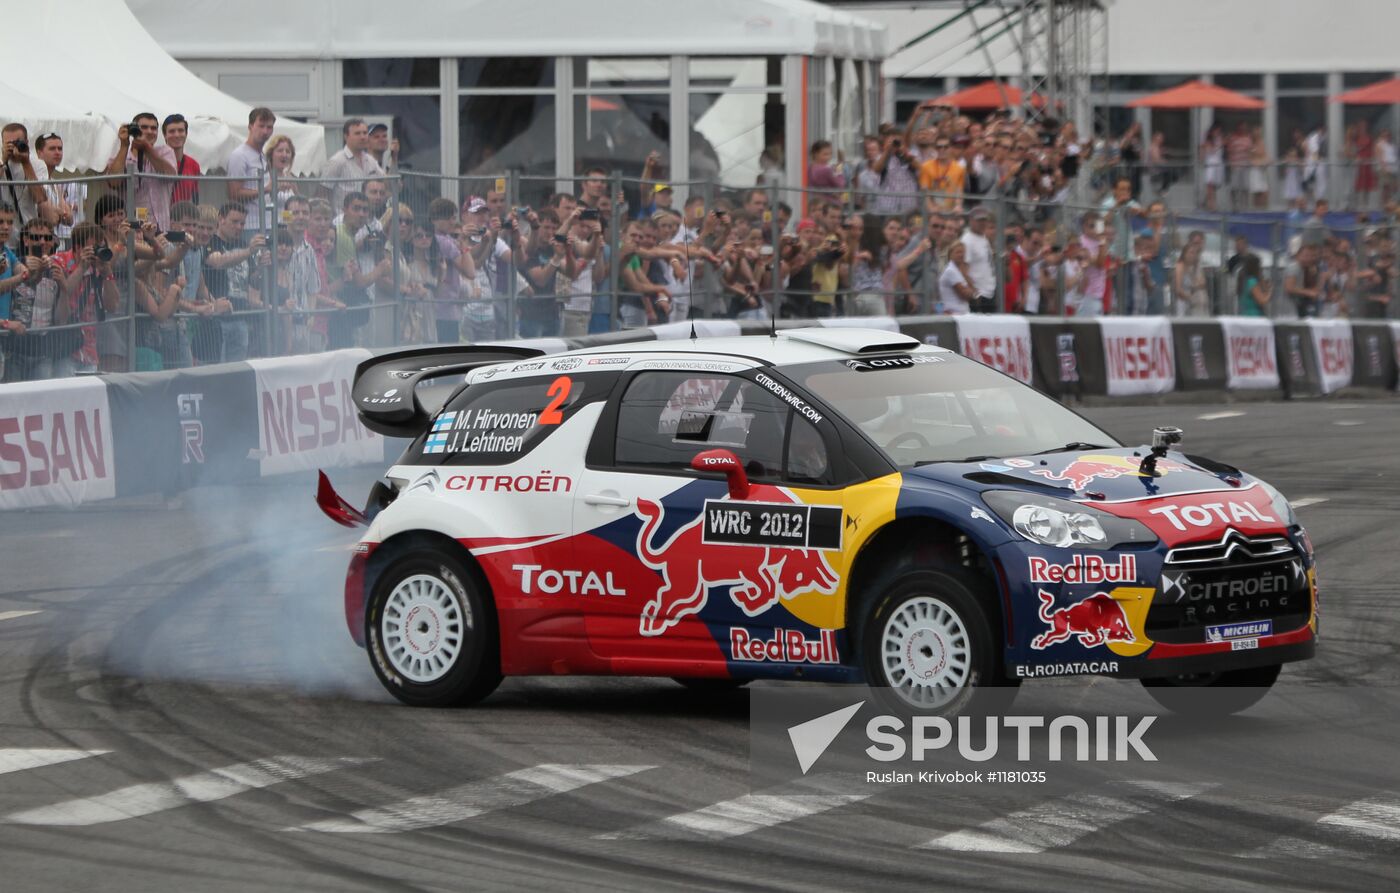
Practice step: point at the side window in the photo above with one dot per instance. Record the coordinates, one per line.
(497, 423)
(807, 459)
(666, 418)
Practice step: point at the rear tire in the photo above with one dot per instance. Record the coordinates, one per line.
(431, 633)
(1213, 694)
(928, 647)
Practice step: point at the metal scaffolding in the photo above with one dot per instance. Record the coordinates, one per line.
(1061, 46)
(1064, 49)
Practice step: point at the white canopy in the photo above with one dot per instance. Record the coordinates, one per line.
(109, 69)
(350, 29)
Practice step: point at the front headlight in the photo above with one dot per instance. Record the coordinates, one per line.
(1059, 522)
(1283, 510)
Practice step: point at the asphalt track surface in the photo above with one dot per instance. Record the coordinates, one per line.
(180, 708)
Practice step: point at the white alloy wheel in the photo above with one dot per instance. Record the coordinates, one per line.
(925, 651)
(423, 625)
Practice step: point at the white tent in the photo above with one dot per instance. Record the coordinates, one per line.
(108, 68)
(352, 29)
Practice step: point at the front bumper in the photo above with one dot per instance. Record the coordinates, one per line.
(1126, 614)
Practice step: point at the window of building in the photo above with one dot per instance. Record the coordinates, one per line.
(1301, 81)
(506, 132)
(624, 73)
(737, 138)
(505, 72)
(381, 74)
(616, 131)
(1245, 83)
(1352, 79)
(730, 73)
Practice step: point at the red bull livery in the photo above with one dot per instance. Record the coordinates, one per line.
(828, 504)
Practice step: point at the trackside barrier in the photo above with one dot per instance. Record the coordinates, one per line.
(72, 441)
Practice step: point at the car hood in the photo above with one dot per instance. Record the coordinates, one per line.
(1100, 474)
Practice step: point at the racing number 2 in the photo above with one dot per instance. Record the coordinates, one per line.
(559, 390)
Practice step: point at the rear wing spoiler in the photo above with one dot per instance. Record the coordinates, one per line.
(397, 394)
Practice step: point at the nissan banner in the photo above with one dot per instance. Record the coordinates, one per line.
(1251, 357)
(306, 418)
(1002, 342)
(1332, 345)
(1138, 356)
(55, 443)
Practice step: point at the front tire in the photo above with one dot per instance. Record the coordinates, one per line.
(1213, 694)
(928, 647)
(432, 636)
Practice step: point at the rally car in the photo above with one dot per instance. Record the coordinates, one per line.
(825, 504)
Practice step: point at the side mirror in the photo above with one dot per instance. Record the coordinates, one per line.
(727, 462)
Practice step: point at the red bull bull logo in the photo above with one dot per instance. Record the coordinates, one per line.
(1095, 620)
(690, 563)
(1084, 470)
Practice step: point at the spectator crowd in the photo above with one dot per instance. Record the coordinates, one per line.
(945, 215)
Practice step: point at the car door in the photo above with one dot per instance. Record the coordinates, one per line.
(706, 575)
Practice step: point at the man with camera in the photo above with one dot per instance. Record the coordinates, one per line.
(137, 153)
(360, 259)
(898, 171)
(34, 352)
(231, 269)
(21, 167)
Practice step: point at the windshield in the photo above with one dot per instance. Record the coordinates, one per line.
(937, 407)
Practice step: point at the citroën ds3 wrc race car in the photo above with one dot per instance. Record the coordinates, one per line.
(825, 504)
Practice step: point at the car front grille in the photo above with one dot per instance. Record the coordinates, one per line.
(1232, 580)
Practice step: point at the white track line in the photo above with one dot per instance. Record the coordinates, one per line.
(1227, 414)
(1309, 500)
(15, 615)
(202, 787)
(1372, 819)
(1061, 822)
(1377, 818)
(742, 815)
(1348, 423)
(473, 799)
(17, 759)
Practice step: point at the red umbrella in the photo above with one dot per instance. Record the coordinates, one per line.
(1379, 93)
(1197, 95)
(987, 95)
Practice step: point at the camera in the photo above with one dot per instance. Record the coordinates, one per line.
(374, 241)
(562, 240)
(590, 214)
(133, 130)
(102, 253)
(175, 236)
(21, 147)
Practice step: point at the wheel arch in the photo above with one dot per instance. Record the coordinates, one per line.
(408, 540)
(918, 541)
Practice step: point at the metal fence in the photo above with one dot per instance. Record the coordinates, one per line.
(278, 265)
